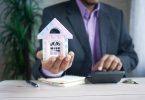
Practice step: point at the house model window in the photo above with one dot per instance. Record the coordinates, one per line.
(54, 39)
(55, 48)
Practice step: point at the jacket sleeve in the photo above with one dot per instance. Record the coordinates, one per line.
(127, 53)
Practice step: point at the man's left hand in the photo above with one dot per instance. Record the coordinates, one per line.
(108, 63)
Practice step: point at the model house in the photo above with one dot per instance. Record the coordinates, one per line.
(54, 39)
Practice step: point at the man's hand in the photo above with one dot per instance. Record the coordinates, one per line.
(108, 63)
(56, 64)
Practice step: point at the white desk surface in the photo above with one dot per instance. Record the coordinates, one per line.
(20, 90)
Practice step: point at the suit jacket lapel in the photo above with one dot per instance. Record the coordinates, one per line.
(77, 24)
(104, 23)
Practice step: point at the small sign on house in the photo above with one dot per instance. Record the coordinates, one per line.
(54, 39)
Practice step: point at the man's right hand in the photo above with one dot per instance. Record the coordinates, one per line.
(56, 64)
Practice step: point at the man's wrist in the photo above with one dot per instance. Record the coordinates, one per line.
(49, 74)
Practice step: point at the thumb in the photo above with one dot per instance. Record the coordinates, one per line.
(39, 55)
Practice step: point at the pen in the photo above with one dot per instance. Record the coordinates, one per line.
(32, 83)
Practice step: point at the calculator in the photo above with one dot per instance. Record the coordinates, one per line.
(106, 77)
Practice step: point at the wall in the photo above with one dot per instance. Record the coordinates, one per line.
(137, 31)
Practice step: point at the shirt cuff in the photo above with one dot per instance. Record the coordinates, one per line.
(49, 74)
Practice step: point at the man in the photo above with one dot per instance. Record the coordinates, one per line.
(100, 41)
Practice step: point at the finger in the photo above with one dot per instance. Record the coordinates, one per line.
(119, 65)
(39, 55)
(65, 63)
(49, 63)
(57, 63)
(108, 62)
(100, 65)
(95, 68)
(72, 58)
(114, 65)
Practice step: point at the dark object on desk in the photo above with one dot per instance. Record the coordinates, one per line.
(32, 83)
(106, 77)
(129, 81)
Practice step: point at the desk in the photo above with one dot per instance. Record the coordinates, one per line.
(20, 90)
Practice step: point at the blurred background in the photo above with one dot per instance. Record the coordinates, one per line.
(134, 12)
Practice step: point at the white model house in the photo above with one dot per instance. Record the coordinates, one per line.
(54, 39)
